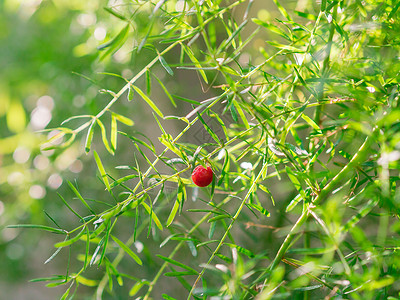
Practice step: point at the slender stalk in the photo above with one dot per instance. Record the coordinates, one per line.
(285, 245)
(307, 242)
(325, 67)
(358, 158)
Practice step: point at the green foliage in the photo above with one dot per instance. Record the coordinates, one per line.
(295, 109)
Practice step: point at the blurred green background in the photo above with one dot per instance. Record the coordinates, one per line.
(51, 70)
(43, 45)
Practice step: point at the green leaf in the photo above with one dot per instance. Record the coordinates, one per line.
(225, 44)
(192, 247)
(177, 263)
(273, 28)
(241, 250)
(114, 13)
(147, 159)
(89, 136)
(115, 272)
(198, 65)
(208, 129)
(205, 210)
(312, 251)
(50, 278)
(54, 254)
(184, 273)
(67, 143)
(211, 230)
(127, 250)
(165, 91)
(70, 208)
(63, 132)
(167, 141)
(148, 101)
(122, 119)
(394, 10)
(194, 102)
(366, 209)
(65, 295)
(114, 131)
(260, 209)
(104, 136)
(285, 47)
(122, 180)
(106, 238)
(306, 15)
(54, 284)
(97, 250)
(102, 170)
(70, 241)
(234, 114)
(148, 82)
(295, 181)
(116, 43)
(180, 198)
(225, 170)
(220, 217)
(73, 188)
(153, 215)
(167, 239)
(138, 285)
(311, 123)
(41, 227)
(130, 93)
(282, 10)
(173, 212)
(165, 65)
(166, 297)
(87, 248)
(86, 282)
(149, 28)
(294, 202)
(206, 243)
(110, 276)
(241, 114)
(381, 283)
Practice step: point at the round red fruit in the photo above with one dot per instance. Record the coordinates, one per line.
(202, 176)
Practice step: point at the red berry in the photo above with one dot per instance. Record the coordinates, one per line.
(202, 176)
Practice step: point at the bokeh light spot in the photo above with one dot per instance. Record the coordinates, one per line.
(41, 162)
(100, 33)
(86, 20)
(21, 155)
(15, 178)
(37, 191)
(46, 101)
(40, 117)
(54, 181)
(76, 166)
